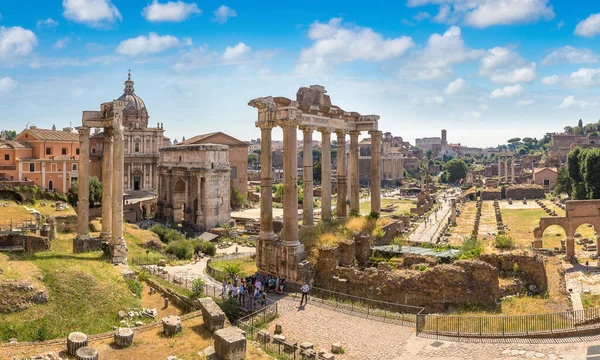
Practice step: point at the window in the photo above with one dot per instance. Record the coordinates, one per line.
(48, 151)
(137, 147)
(234, 172)
(50, 185)
(6, 157)
(546, 182)
(74, 167)
(77, 151)
(64, 151)
(31, 167)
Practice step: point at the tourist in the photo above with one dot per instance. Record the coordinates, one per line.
(262, 299)
(282, 286)
(255, 298)
(305, 288)
(277, 281)
(272, 284)
(224, 288)
(230, 288)
(235, 292)
(258, 285)
(236, 279)
(241, 294)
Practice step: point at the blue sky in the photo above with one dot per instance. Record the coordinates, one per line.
(486, 70)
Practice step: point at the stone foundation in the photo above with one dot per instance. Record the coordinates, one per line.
(92, 244)
(272, 257)
(212, 315)
(520, 192)
(24, 243)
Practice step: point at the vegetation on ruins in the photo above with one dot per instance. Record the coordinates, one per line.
(95, 192)
(197, 287)
(237, 199)
(505, 242)
(471, 248)
(583, 170)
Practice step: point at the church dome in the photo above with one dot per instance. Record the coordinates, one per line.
(135, 114)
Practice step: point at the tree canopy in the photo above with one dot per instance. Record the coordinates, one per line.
(10, 134)
(583, 169)
(456, 169)
(95, 192)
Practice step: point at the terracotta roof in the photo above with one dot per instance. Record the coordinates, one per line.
(537, 170)
(8, 144)
(204, 139)
(48, 135)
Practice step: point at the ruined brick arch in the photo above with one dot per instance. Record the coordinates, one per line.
(546, 222)
(8, 194)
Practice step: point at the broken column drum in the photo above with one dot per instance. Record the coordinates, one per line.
(76, 340)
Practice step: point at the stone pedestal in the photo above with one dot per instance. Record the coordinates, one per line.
(325, 174)
(86, 353)
(123, 337)
(171, 325)
(230, 343)
(212, 315)
(347, 251)
(75, 341)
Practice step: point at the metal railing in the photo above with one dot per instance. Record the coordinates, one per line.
(509, 326)
(400, 314)
(219, 275)
(184, 282)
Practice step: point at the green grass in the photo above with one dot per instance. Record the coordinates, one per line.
(402, 206)
(248, 266)
(590, 300)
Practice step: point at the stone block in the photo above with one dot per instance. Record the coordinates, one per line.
(171, 325)
(230, 343)
(306, 346)
(264, 336)
(336, 348)
(278, 329)
(278, 339)
(212, 315)
(325, 355)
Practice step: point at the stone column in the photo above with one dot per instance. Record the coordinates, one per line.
(169, 205)
(266, 183)
(290, 183)
(570, 248)
(307, 176)
(512, 169)
(598, 245)
(499, 169)
(187, 217)
(375, 171)
(118, 248)
(83, 204)
(325, 174)
(199, 214)
(354, 179)
(506, 170)
(341, 173)
(107, 180)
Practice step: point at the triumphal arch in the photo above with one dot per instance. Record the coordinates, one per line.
(311, 111)
(578, 212)
(110, 119)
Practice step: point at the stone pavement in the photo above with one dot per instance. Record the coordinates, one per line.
(427, 232)
(367, 339)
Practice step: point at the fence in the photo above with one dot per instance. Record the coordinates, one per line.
(379, 310)
(509, 326)
(219, 275)
(152, 259)
(184, 282)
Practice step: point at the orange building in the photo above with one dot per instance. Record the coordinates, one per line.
(49, 158)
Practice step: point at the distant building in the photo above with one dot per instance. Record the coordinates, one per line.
(545, 176)
(238, 156)
(395, 156)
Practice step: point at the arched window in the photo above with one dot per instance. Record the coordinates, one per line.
(50, 185)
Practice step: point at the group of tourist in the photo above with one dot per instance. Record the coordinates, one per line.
(252, 291)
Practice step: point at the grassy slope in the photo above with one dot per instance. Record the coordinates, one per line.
(402, 206)
(248, 266)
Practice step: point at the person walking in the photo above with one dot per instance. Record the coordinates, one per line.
(305, 289)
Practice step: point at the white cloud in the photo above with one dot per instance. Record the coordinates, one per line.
(524, 102)
(170, 11)
(7, 85)
(560, 25)
(49, 23)
(456, 86)
(421, 15)
(151, 44)
(62, 43)
(440, 54)
(484, 107)
(311, 68)
(438, 100)
(484, 13)
(506, 92)
(223, 13)
(504, 66)
(15, 42)
(570, 101)
(233, 53)
(584, 77)
(94, 13)
(589, 27)
(337, 43)
(571, 55)
(551, 80)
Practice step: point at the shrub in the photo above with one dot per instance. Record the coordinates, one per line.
(373, 215)
(135, 286)
(166, 234)
(206, 247)
(378, 233)
(505, 242)
(237, 199)
(183, 249)
(197, 287)
(471, 248)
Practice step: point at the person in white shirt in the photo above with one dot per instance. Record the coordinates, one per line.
(305, 289)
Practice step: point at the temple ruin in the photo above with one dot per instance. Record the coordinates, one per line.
(312, 110)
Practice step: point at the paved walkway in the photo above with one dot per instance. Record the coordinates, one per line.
(427, 232)
(367, 339)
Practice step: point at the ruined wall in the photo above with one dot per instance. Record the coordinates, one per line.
(390, 231)
(530, 266)
(491, 194)
(17, 296)
(30, 243)
(66, 223)
(525, 192)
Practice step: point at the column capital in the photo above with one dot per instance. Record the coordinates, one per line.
(108, 134)
(265, 125)
(375, 132)
(354, 132)
(288, 123)
(84, 133)
(340, 133)
(307, 129)
(324, 130)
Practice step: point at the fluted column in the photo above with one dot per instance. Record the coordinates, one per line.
(199, 214)
(341, 173)
(118, 248)
(307, 177)
(506, 170)
(83, 182)
(375, 171)
(107, 158)
(266, 183)
(325, 174)
(354, 180)
(290, 183)
(499, 169)
(512, 170)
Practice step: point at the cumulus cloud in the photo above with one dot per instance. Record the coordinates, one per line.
(62, 43)
(335, 42)
(94, 13)
(7, 85)
(504, 66)
(506, 92)
(151, 44)
(551, 80)
(456, 86)
(49, 23)
(170, 11)
(589, 27)
(484, 13)
(441, 53)
(570, 102)
(584, 77)
(16, 42)
(223, 13)
(233, 53)
(571, 55)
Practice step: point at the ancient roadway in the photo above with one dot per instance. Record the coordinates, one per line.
(427, 231)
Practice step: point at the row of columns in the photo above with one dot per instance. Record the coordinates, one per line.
(512, 164)
(289, 234)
